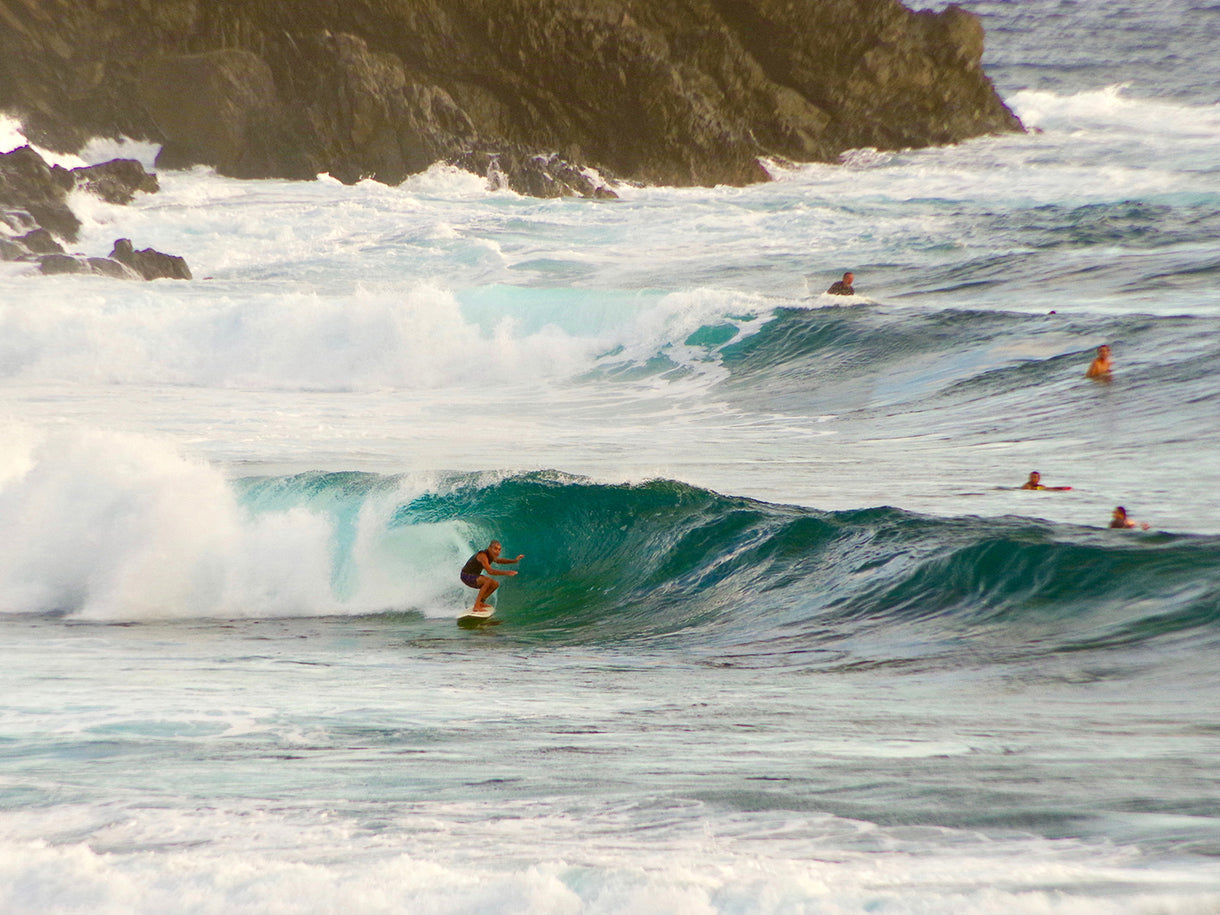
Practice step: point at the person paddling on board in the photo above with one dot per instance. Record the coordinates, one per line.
(843, 286)
(1035, 482)
(485, 584)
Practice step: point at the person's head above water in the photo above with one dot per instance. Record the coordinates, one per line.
(1121, 519)
(1035, 477)
(849, 277)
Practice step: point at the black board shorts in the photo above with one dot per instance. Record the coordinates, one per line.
(470, 581)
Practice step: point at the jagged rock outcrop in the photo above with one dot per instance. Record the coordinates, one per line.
(39, 241)
(533, 91)
(124, 263)
(149, 264)
(116, 181)
(28, 184)
(34, 209)
(52, 264)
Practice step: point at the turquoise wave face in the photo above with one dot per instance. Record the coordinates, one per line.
(672, 565)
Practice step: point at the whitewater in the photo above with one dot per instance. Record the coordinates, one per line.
(787, 637)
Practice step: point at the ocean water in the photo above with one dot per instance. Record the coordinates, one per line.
(787, 636)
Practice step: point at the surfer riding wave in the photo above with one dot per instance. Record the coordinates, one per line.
(481, 562)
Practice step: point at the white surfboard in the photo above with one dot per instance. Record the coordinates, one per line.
(473, 619)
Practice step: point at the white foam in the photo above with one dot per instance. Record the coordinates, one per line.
(407, 566)
(12, 136)
(1111, 107)
(667, 325)
(98, 149)
(256, 861)
(102, 149)
(413, 338)
(447, 181)
(111, 527)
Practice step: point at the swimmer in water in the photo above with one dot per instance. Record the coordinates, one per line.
(1100, 368)
(1120, 520)
(843, 286)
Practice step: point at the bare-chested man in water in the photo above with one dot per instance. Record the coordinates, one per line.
(1101, 367)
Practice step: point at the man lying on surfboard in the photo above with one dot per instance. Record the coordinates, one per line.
(485, 584)
(1035, 482)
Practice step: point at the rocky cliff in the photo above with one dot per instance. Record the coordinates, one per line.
(527, 91)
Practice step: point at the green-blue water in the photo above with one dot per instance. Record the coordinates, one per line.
(787, 636)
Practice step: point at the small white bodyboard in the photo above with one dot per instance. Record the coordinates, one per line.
(476, 619)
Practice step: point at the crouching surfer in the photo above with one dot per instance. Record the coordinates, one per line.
(481, 562)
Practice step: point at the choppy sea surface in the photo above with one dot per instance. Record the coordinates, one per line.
(787, 636)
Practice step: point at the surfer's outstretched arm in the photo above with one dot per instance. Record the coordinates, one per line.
(492, 570)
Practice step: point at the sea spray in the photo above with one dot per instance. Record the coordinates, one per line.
(112, 527)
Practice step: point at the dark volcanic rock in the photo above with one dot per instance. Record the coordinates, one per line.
(116, 181)
(105, 266)
(13, 222)
(533, 175)
(219, 108)
(40, 241)
(680, 92)
(17, 231)
(148, 263)
(51, 264)
(13, 251)
(30, 186)
(32, 192)
(123, 264)
(28, 183)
